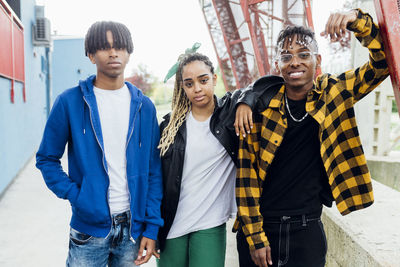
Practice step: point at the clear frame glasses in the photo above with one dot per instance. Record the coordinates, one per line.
(302, 56)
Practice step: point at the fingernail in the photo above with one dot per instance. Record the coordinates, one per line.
(244, 135)
(237, 134)
(248, 132)
(251, 127)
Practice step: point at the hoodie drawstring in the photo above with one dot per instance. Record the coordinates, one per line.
(140, 128)
(84, 117)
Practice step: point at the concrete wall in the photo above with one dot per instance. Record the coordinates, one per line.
(69, 64)
(385, 170)
(369, 237)
(22, 123)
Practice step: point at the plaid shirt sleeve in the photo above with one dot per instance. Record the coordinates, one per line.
(360, 81)
(248, 190)
(341, 149)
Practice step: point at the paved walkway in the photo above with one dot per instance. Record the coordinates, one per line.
(34, 225)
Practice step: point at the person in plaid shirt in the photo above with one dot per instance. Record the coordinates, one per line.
(304, 150)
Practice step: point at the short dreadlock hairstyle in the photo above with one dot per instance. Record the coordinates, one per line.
(96, 38)
(180, 102)
(303, 34)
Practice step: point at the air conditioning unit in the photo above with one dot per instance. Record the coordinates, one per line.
(41, 29)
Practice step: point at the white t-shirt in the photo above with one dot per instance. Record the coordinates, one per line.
(207, 197)
(114, 109)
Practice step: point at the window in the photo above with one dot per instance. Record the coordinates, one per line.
(15, 6)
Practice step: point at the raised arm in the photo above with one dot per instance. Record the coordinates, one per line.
(360, 81)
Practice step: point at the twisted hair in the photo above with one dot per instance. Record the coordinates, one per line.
(96, 37)
(180, 102)
(303, 35)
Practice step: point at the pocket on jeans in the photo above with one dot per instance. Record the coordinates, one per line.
(79, 238)
(321, 226)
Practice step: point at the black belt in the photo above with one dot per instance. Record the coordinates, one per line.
(121, 218)
(303, 218)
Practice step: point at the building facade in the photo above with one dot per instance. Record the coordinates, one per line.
(69, 64)
(34, 70)
(23, 88)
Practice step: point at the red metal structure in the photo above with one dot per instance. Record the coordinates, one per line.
(242, 32)
(11, 48)
(388, 13)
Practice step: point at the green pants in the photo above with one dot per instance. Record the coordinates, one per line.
(204, 248)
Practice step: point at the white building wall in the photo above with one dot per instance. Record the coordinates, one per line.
(374, 111)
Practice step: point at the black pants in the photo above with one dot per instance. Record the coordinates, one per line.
(294, 241)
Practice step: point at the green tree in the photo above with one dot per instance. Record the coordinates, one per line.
(220, 89)
(395, 109)
(143, 79)
(162, 92)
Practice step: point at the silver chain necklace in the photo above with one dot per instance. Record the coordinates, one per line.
(293, 118)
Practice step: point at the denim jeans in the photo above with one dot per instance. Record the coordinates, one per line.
(115, 250)
(297, 241)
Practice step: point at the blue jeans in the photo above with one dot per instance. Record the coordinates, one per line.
(115, 250)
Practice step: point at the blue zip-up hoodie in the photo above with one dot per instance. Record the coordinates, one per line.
(74, 120)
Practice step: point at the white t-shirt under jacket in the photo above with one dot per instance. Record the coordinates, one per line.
(114, 109)
(207, 197)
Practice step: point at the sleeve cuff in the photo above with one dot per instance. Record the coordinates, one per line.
(257, 241)
(151, 231)
(359, 24)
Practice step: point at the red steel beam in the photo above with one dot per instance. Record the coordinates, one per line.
(307, 8)
(253, 12)
(253, 2)
(216, 52)
(234, 72)
(388, 14)
(239, 41)
(262, 45)
(269, 15)
(257, 36)
(236, 51)
(257, 53)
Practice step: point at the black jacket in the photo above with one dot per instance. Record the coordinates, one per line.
(221, 125)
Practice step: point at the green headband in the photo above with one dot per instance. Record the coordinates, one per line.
(172, 71)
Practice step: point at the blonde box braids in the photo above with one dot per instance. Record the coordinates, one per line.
(180, 103)
(180, 108)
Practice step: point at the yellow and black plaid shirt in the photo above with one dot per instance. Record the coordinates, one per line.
(330, 103)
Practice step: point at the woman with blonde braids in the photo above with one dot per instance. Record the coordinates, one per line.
(198, 151)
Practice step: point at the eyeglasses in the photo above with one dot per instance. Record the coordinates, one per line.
(302, 56)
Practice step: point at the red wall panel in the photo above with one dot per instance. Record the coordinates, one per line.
(12, 64)
(6, 60)
(388, 13)
(19, 64)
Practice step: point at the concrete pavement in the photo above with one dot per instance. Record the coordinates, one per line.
(34, 224)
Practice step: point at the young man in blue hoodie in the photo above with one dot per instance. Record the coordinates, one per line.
(114, 179)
